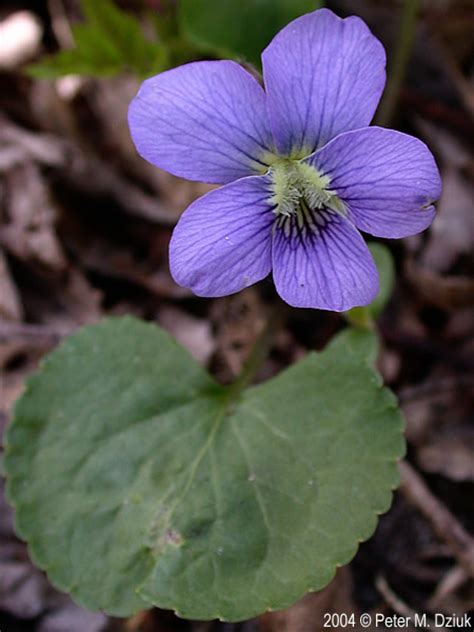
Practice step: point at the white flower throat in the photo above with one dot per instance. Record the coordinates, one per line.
(301, 197)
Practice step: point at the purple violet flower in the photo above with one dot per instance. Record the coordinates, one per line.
(302, 171)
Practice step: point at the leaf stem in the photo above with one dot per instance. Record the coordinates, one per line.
(399, 63)
(258, 354)
(360, 318)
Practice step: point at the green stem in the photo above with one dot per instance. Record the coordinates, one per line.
(399, 64)
(258, 354)
(360, 318)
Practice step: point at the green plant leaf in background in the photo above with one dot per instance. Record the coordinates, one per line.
(363, 317)
(386, 269)
(138, 480)
(239, 29)
(110, 42)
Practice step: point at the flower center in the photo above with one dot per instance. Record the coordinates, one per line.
(301, 196)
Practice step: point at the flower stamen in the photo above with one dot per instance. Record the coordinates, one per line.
(302, 199)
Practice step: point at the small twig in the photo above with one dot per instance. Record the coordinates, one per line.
(437, 387)
(444, 523)
(399, 63)
(136, 623)
(97, 177)
(392, 599)
(462, 83)
(60, 24)
(429, 348)
(398, 605)
(44, 148)
(453, 580)
(259, 352)
(32, 334)
(88, 174)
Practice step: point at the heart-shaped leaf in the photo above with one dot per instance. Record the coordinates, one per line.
(138, 480)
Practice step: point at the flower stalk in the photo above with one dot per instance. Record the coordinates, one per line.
(258, 353)
(360, 318)
(399, 64)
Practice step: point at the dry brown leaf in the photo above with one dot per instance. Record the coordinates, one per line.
(450, 456)
(10, 302)
(193, 333)
(447, 292)
(307, 615)
(238, 320)
(28, 231)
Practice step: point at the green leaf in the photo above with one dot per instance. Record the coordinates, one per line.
(362, 343)
(241, 29)
(386, 269)
(109, 42)
(363, 317)
(138, 480)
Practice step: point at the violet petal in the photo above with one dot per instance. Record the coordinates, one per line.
(329, 267)
(323, 76)
(388, 180)
(222, 242)
(203, 121)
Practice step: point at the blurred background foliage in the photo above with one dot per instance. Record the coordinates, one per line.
(111, 40)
